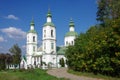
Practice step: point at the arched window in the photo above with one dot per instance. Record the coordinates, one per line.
(44, 33)
(33, 38)
(51, 33)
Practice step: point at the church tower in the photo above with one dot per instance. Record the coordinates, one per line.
(31, 43)
(71, 35)
(49, 35)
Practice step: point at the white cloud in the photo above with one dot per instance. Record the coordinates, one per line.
(1, 39)
(12, 17)
(24, 46)
(14, 33)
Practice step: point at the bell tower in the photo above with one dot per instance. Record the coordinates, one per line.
(70, 36)
(49, 35)
(31, 47)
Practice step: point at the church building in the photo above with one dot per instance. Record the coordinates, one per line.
(48, 54)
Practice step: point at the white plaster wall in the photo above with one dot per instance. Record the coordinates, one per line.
(49, 19)
(23, 64)
(58, 60)
(32, 28)
(47, 40)
(49, 58)
(30, 43)
(71, 29)
(69, 39)
(29, 59)
(48, 49)
(48, 32)
(30, 38)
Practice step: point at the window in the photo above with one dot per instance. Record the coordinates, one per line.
(44, 45)
(52, 45)
(66, 43)
(51, 33)
(34, 61)
(44, 33)
(72, 43)
(33, 48)
(33, 38)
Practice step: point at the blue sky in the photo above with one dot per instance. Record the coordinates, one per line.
(16, 15)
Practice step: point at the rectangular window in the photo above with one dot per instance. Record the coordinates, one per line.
(44, 33)
(51, 33)
(66, 43)
(33, 48)
(44, 45)
(33, 38)
(52, 45)
(72, 43)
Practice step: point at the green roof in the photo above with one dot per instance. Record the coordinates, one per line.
(49, 24)
(61, 51)
(49, 14)
(71, 24)
(32, 23)
(32, 31)
(71, 33)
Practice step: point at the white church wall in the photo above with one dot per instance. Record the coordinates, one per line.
(71, 29)
(58, 60)
(48, 39)
(49, 59)
(69, 40)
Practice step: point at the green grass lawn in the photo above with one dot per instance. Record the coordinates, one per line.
(32, 74)
(99, 76)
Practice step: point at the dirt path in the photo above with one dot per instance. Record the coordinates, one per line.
(62, 73)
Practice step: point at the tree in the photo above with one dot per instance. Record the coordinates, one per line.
(62, 62)
(9, 59)
(103, 11)
(107, 10)
(16, 52)
(2, 61)
(98, 49)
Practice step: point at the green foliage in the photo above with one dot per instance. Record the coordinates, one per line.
(102, 13)
(95, 51)
(16, 51)
(2, 62)
(98, 50)
(62, 62)
(5, 59)
(107, 10)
